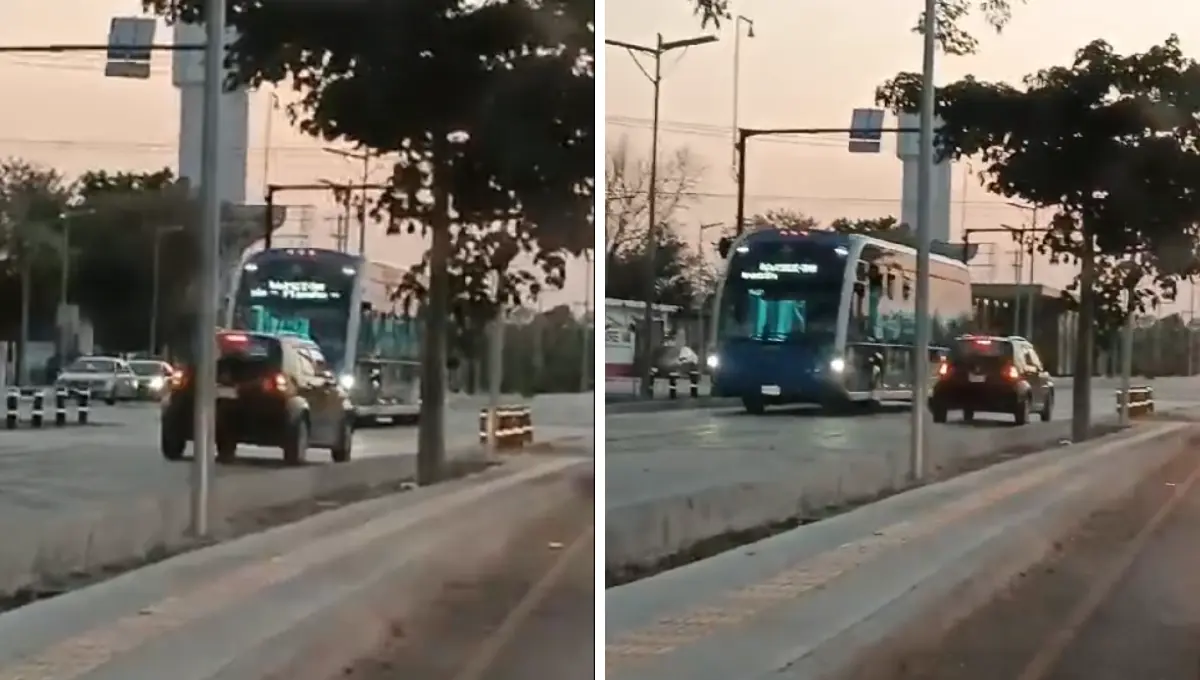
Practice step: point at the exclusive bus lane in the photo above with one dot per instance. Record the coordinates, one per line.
(666, 454)
(56, 470)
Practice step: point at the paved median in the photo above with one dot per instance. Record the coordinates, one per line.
(73, 502)
(305, 600)
(678, 483)
(809, 602)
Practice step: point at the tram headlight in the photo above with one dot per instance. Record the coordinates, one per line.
(837, 364)
(346, 381)
(712, 361)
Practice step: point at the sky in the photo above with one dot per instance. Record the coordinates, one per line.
(60, 111)
(810, 64)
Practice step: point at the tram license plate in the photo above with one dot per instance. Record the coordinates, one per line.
(226, 393)
(770, 390)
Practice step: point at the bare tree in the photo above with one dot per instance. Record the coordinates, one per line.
(627, 194)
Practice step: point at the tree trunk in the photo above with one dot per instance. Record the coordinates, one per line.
(431, 438)
(1081, 401)
(23, 342)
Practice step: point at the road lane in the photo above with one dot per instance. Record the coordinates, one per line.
(60, 469)
(650, 456)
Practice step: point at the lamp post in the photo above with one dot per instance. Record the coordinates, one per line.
(924, 215)
(660, 48)
(737, 72)
(155, 282)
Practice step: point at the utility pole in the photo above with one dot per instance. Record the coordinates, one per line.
(365, 158)
(924, 216)
(651, 255)
(204, 426)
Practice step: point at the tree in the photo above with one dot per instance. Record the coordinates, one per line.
(1109, 144)
(122, 223)
(32, 202)
(627, 193)
(951, 36)
(870, 225)
(783, 218)
(484, 283)
(489, 109)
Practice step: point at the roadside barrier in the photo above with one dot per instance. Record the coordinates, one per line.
(514, 426)
(35, 397)
(1141, 401)
(693, 385)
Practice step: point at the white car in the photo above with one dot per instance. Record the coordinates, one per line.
(106, 378)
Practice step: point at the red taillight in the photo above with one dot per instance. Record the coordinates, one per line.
(1011, 372)
(276, 382)
(178, 379)
(943, 370)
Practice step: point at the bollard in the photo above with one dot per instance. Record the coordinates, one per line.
(60, 406)
(12, 408)
(39, 409)
(82, 397)
(694, 387)
(672, 385)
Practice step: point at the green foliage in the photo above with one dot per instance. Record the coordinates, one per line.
(493, 103)
(870, 225)
(483, 279)
(951, 36)
(119, 221)
(1109, 143)
(677, 272)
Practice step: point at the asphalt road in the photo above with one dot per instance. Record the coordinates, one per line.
(65, 469)
(655, 455)
(1119, 600)
(530, 614)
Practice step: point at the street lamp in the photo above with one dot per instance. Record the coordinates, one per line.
(737, 71)
(155, 277)
(661, 47)
(924, 215)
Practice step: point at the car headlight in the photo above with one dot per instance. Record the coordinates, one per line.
(837, 365)
(713, 361)
(346, 381)
(157, 383)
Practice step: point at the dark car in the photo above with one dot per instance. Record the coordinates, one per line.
(992, 375)
(271, 391)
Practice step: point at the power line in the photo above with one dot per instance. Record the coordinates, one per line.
(718, 132)
(149, 147)
(799, 197)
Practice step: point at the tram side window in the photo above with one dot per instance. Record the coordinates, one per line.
(868, 293)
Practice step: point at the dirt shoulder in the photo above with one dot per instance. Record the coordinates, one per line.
(1118, 599)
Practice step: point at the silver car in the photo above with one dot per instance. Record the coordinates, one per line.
(152, 377)
(105, 378)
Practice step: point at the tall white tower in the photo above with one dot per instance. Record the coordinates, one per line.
(908, 148)
(187, 74)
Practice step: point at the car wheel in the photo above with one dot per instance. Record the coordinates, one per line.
(344, 448)
(295, 447)
(754, 406)
(968, 415)
(939, 414)
(1021, 415)
(226, 450)
(171, 445)
(111, 397)
(1047, 408)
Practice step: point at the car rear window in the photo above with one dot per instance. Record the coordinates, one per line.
(247, 357)
(982, 352)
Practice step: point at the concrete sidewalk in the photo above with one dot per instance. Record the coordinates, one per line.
(806, 603)
(300, 601)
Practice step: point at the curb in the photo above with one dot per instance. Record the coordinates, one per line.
(659, 405)
(129, 531)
